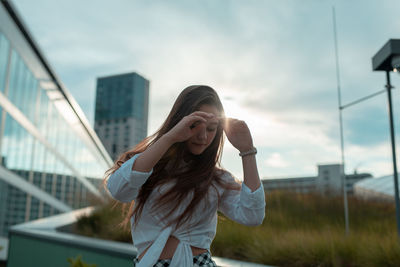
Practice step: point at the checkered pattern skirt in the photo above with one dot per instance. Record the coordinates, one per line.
(201, 260)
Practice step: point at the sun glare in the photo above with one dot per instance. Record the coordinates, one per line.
(234, 110)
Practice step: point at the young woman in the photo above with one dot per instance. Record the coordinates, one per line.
(176, 185)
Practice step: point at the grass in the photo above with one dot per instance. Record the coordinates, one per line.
(308, 230)
(299, 230)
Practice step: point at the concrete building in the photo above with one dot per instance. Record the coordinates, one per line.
(328, 181)
(122, 104)
(49, 151)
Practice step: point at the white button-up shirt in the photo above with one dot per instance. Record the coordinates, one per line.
(242, 206)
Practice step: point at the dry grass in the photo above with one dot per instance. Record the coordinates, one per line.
(308, 230)
(299, 230)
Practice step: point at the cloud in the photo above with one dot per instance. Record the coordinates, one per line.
(272, 63)
(275, 160)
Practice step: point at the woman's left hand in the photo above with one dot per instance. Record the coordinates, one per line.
(238, 134)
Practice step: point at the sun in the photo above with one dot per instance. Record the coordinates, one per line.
(233, 109)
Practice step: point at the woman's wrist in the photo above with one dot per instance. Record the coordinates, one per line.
(168, 139)
(248, 152)
(245, 148)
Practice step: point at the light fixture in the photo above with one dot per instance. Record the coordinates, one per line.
(396, 64)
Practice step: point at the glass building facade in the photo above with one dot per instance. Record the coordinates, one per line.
(51, 159)
(121, 111)
(381, 188)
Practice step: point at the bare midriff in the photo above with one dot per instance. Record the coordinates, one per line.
(170, 247)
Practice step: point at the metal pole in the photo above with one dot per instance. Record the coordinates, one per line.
(342, 171)
(396, 183)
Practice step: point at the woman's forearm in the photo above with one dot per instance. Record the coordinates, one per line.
(250, 172)
(149, 158)
(181, 132)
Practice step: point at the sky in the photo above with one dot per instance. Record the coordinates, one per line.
(271, 62)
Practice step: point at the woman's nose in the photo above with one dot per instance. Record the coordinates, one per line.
(202, 135)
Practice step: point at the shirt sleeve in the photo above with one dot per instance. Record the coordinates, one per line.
(243, 206)
(124, 183)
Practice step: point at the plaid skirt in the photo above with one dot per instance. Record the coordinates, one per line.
(201, 260)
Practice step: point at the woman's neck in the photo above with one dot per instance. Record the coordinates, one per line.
(187, 157)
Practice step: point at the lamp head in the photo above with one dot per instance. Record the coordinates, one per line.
(387, 58)
(396, 64)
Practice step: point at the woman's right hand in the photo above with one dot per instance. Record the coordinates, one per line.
(188, 126)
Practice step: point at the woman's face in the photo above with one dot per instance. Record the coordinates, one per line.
(206, 134)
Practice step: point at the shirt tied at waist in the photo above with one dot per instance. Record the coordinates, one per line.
(182, 257)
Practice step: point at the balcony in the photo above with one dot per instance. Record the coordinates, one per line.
(49, 242)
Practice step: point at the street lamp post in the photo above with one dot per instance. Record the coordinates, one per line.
(388, 59)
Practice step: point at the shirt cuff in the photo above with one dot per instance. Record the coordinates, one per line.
(252, 200)
(135, 178)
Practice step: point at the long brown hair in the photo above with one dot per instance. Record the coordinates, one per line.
(203, 170)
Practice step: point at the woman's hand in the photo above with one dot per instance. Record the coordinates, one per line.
(238, 134)
(188, 126)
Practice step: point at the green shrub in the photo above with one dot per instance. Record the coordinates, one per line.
(104, 223)
(79, 263)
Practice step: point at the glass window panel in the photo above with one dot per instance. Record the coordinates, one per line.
(83, 196)
(19, 82)
(37, 179)
(52, 127)
(24, 151)
(48, 169)
(50, 124)
(76, 153)
(60, 122)
(34, 212)
(6, 141)
(29, 151)
(30, 100)
(1, 116)
(15, 205)
(36, 156)
(19, 144)
(13, 75)
(22, 86)
(59, 183)
(77, 195)
(18, 148)
(43, 112)
(4, 51)
(11, 136)
(46, 210)
(22, 89)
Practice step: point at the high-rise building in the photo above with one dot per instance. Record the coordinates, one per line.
(49, 153)
(122, 104)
